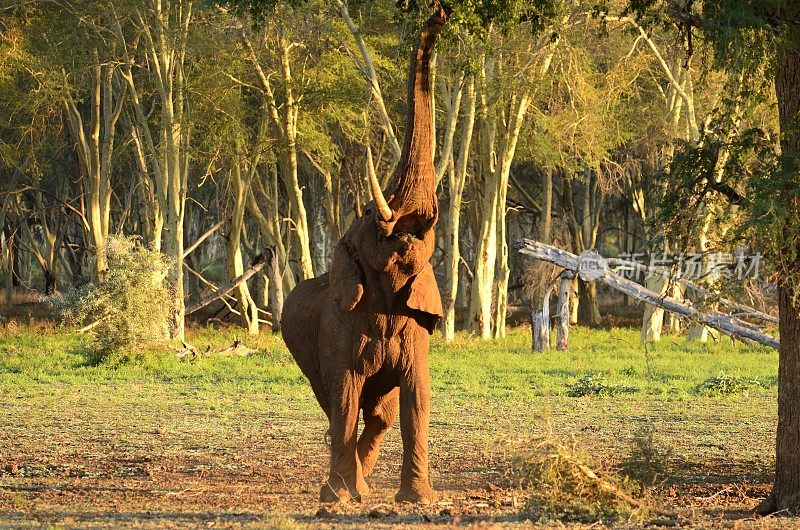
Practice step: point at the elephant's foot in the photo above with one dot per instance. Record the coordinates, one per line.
(339, 490)
(361, 486)
(418, 492)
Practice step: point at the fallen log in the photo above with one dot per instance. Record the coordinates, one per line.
(225, 290)
(236, 349)
(591, 266)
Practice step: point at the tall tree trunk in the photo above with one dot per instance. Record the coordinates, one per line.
(276, 292)
(540, 320)
(564, 291)
(480, 306)
(588, 307)
(540, 299)
(516, 116)
(283, 120)
(457, 179)
(246, 304)
(95, 149)
(653, 320)
(11, 250)
(786, 491)
(165, 29)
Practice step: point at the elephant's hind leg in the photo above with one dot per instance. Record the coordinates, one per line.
(380, 414)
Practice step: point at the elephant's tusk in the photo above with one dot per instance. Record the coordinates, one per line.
(377, 195)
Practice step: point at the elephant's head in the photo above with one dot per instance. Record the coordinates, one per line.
(395, 235)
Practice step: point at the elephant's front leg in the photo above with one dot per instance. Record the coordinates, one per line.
(346, 479)
(415, 406)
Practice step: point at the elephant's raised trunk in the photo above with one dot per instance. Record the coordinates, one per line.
(413, 191)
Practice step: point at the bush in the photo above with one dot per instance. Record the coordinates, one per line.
(725, 385)
(647, 462)
(130, 307)
(596, 385)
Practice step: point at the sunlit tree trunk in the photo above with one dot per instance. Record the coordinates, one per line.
(368, 70)
(283, 120)
(786, 490)
(457, 176)
(95, 148)
(540, 299)
(240, 189)
(514, 120)
(165, 30)
(268, 220)
(480, 307)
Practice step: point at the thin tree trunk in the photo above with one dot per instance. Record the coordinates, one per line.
(517, 109)
(457, 179)
(588, 307)
(165, 29)
(480, 308)
(11, 249)
(540, 317)
(283, 119)
(541, 295)
(244, 300)
(368, 69)
(564, 291)
(276, 295)
(652, 322)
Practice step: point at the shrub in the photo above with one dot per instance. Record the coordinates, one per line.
(646, 461)
(596, 385)
(566, 484)
(725, 385)
(129, 307)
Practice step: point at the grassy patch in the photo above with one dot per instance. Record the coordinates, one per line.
(599, 363)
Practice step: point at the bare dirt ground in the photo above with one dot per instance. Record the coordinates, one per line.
(150, 456)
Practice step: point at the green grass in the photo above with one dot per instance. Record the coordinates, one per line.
(465, 369)
(508, 368)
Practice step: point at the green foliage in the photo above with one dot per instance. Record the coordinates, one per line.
(475, 16)
(695, 172)
(596, 385)
(774, 205)
(478, 15)
(257, 10)
(129, 307)
(725, 385)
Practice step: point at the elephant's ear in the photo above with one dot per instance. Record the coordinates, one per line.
(424, 296)
(345, 279)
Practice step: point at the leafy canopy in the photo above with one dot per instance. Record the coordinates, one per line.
(476, 16)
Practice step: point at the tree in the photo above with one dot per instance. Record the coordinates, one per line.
(744, 35)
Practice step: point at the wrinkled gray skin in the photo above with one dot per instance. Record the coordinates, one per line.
(360, 333)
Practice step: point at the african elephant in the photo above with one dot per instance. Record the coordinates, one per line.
(360, 333)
